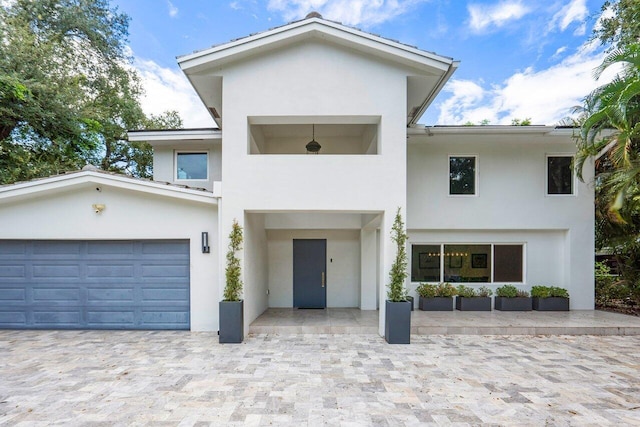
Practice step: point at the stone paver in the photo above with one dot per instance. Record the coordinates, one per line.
(188, 379)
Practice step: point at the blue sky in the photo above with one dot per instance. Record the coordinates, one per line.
(519, 59)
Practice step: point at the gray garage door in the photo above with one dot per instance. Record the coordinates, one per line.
(94, 284)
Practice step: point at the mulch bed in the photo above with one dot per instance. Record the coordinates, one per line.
(620, 306)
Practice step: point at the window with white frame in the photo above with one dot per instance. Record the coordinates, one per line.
(192, 165)
(467, 263)
(462, 175)
(560, 174)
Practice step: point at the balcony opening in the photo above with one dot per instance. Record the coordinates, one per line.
(334, 138)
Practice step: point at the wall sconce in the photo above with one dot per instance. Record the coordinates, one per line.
(98, 208)
(205, 243)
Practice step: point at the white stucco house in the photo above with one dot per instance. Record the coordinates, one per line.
(483, 204)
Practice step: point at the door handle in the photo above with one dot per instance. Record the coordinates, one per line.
(323, 279)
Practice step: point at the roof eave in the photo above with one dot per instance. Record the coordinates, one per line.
(60, 182)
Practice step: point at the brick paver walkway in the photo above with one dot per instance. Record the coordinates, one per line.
(171, 378)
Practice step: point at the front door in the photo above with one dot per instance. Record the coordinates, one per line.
(309, 273)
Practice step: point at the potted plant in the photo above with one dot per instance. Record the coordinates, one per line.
(232, 306)
(510, 298)
(436, 297)
(397, 323)
(470, 299)
(550, 298)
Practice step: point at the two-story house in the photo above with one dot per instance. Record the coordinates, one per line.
(317, 148)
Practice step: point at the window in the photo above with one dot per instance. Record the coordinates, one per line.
(462, 175)
(192, 165)
(559, 175)
(467, 263)
(425, 263)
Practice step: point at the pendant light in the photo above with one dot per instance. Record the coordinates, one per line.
(313, 147)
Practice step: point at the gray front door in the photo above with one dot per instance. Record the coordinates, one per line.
(309, 273)
(124, 284)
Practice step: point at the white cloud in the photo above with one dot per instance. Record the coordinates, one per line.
(168, 89)
(545, 96)
(173, 11)
(349, 12)
(574, 11)
(482, 17)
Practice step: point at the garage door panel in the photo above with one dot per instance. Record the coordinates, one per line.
(158, 318)
(56, 295)
(114, 318)
(118, 248)
(12, 271)
(54, 318)
(13, 294)
(94, 284)
(110, 271)
(13, 319)
(97, 296)
(159, 270)
(55, 271)
(56, 249)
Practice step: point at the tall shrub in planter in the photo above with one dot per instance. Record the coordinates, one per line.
(232, 306)
(397, 328)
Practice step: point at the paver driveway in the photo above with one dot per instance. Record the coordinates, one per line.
(155, 378)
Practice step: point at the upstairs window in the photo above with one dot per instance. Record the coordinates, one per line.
(462, 175)
(192, 166)
(559, 175)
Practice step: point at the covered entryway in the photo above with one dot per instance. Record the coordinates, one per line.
(123, 284)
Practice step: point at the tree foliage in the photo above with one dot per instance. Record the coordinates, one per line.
(619, 24)
(233, 271)
(610, 134)
(67, 90)
(396, 290)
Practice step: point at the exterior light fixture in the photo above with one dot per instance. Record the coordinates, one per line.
(313, 147)
(205, 243)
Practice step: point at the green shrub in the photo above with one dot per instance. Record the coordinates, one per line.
(608, 286)
(548, 291)
(446, 290)
(426, 290)
(522, 293)
(483, 291)
(465, 291)
(469, 292)
(507, 291)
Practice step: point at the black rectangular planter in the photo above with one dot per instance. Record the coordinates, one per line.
(436, 304)
(473, 304)
(397, 322)
(231, 322)
(410, 299)
(513, 304)
(551, 304)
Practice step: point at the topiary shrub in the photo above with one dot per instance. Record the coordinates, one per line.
(396, 291)
(233, 286)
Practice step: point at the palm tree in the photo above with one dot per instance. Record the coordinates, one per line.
(610, 131)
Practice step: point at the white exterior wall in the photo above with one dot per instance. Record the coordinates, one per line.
(343, 266)
(511, 196)
(129, 215)
(313, 80)
(256, 277)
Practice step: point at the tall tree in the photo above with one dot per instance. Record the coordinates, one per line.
(67, 90)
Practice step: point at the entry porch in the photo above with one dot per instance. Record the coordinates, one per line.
(356, 321)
